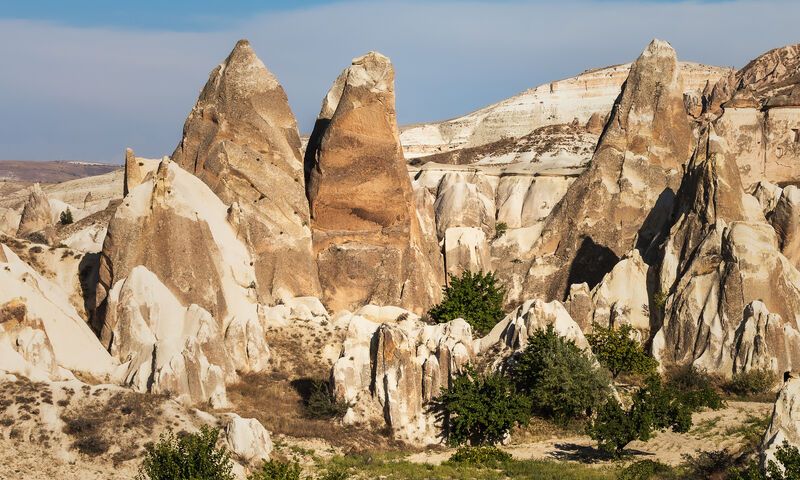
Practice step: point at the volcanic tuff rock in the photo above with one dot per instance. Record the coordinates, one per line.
(734, 299)
(632, 177)
(388, 371)
(761, 116)
(241, 139)
(561, 102)
(785, 423)
(785, 218)
(37, 214)
(362, 206)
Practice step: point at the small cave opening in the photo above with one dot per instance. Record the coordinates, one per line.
(796, 132)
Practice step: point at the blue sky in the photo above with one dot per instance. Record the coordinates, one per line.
(84, 79)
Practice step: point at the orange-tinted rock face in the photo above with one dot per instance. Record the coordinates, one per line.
(241, 139)
(367, 237)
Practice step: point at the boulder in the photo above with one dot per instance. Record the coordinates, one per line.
(241, 139)
(248, 440)
(623, 200)
(362, 205)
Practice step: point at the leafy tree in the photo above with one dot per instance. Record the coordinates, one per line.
(616, 350)
(475, 297)
(321, 404)
(66, 217)
(275, 470)
(560, 379)
(187, 457)
(789, 469)
(481, 410)
(654, 408)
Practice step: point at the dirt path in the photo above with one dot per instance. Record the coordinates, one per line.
(731, 427)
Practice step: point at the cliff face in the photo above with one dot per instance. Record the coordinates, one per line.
(560, 102)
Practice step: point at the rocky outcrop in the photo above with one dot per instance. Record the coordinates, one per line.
(176, 294)
(464, 201)
(248, 440)
(760, 108)
(466, 249)
(623, 199)
(785, 219)
(42, 336)
(37, 214)
(362, 205)
(561, 102)
(785, 423)
(388, 371)
(241, 139)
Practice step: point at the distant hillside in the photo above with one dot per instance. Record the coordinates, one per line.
(50, 172)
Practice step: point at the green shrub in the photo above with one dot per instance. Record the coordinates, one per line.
(752, 382)
(694, 388)
(500, 229)
(660, 299)
(475, 297)
(66, 217)
(335, 472)
(646, 470)
(709, 464)
(654, 408)
(192, 456)
(481, 410)
(486, 456)
(275, 470)
(618, 352)
(321, 404)
(560, 379)
(789, 469)
(38, 237)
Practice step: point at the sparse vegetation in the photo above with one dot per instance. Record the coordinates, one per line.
(66, 217)
(321, 404)
(616, 350)
(484, 456)
(192, 456)
(786, 468)
(694, 388)
(475, 297)
(756, 381)
(647, 470)
(653, 408)
(480, 410)
(275, 470)
(500, 229)
(559, 378)
(38, 237)
(660, 300)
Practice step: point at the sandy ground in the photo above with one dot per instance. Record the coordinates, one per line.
(711, 431)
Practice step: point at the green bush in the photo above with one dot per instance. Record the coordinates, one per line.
(481, 410)
(694, 388)
(752, 382)
(500, 229)
(38, 237)
(646, 470)
(66, 217)
(660, 299)
(709, 464)
(789, 469)
(654, 408)
(618, 352)
(486, 456)
(275, 470)
(475, 297)
(335, 472)
(192, 456)
(321, 404)
(560, 379)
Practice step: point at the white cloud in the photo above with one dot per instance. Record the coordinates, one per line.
(86, 93)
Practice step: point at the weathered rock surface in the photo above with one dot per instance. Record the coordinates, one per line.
(188, 335)
(241, 139)
(466, 249)
(41, 334)
(785, 423)
(388, 371)
(623, 199)
(362, 205)
(785, 220)
(463, 201)
(37, 214)
(560, 102)
(248, 440)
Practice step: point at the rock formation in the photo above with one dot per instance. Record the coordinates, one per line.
(367, 235)
(785, 219)
(241, 139)
(388, 371)
(623, 199)
(37, 214)
(785, 423)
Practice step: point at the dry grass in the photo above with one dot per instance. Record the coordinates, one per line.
(278, 403)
